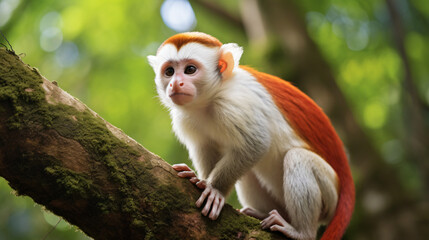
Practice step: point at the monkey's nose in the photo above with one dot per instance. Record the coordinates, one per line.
(180, 84)
(176, 86)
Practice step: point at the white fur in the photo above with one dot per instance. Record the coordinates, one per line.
(206, 56)
(234, 131)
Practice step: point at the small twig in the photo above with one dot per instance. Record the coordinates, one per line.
(11, 48)
(52, 229)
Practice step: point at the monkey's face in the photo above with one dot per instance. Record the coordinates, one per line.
(184, 75)
(179, 78)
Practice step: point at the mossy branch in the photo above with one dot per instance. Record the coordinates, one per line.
(60, 153)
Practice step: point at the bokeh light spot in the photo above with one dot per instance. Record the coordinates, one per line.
(50, 20)
(51, 35)
(6, 9)
(178, 15)
(19, 222)
(375, 115)
(67, 54)
(51, 39)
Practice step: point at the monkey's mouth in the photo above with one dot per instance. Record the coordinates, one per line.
(179, 94)
(181, 98)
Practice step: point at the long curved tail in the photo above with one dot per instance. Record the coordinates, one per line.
(316, 129)
(344, 211)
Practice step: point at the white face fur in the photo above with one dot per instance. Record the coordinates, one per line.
(182, 75)
(182, 87)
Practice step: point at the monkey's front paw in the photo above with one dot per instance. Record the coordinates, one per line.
(186, 172)
(214, 200)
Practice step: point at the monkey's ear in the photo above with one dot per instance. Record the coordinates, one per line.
(153, 61)
(229, 59)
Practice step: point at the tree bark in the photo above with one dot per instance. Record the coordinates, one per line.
(63, 155)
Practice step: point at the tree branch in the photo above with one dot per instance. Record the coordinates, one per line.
(63, 155)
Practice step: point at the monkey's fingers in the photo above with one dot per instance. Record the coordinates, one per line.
(209, 202)
(201, 184)
(202, 197)
(275, 222)
(278, 228)
(273, 219)
(187, 174)
(194, 180)
(269, 221)
(181, 167)
(221, 204)
(217, 207)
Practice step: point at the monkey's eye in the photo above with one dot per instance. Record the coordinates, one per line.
(190, 69)
(169, 72)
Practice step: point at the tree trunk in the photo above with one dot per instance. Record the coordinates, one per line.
(63, 155)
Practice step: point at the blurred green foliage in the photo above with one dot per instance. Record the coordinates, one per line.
(358, 40)
(96, 50)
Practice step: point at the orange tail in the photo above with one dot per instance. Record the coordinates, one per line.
(316, 129)
(343, 214)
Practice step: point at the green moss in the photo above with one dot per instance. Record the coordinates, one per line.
(162, 203)
(228, 225)
(167, 198)
(19, 94)
(73, 183)
(149, 236)
(30, 110)
(139, 223)
(24, 101)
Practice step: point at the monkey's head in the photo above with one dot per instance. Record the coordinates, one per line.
(191, 66)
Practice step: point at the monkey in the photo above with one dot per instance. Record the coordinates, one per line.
(255, 131)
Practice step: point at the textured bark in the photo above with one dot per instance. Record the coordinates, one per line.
(63, 155)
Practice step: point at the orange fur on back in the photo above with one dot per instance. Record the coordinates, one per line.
(315, 128)
(182, 39)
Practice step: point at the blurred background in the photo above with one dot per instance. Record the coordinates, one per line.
(362, 61)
